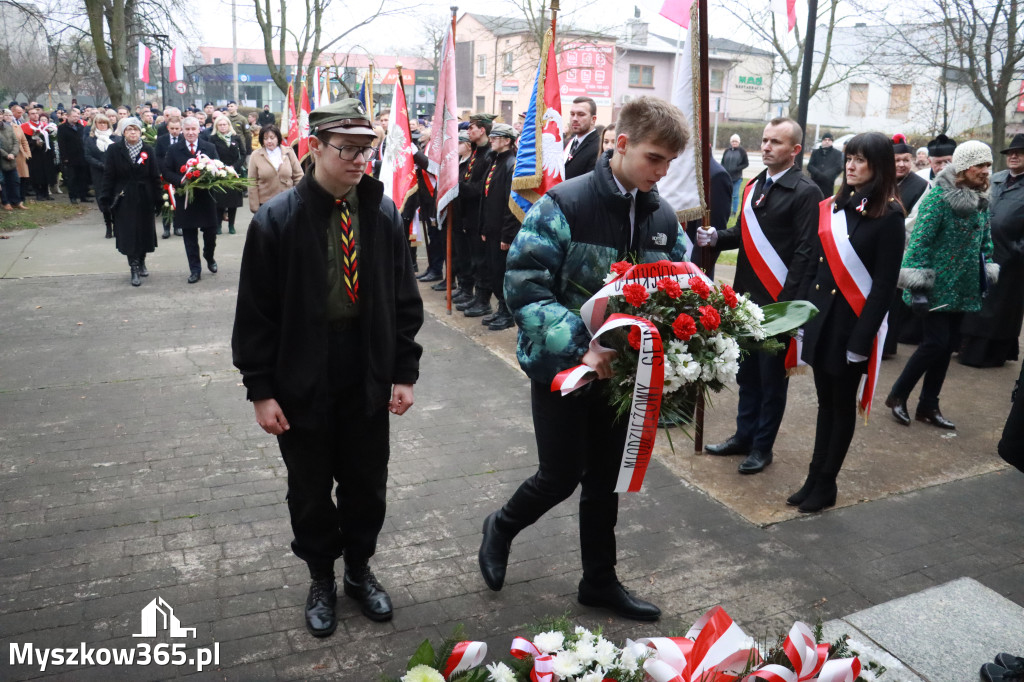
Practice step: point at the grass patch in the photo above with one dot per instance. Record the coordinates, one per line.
(728, 257)
(40, 214)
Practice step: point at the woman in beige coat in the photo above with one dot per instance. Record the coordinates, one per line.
(273, 168)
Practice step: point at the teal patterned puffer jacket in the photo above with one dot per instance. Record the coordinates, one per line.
(566, 247)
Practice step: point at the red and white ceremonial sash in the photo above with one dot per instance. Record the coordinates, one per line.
(650, 372)
(767, 264)
(854, 281)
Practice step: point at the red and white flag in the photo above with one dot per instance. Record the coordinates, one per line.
(677, 11)
(292, 134)
(177, 70)
(443, 148)
(144, 56)
(398, 169)
(303, 122)
(786, 9)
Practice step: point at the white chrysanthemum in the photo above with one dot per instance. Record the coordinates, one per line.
(222, 173)
(688, 368)
(727, 372)
(585, 651)
(566, 664)
(867, 675)
(708, 372)
(549, 642)
(594, 676)
(581, 631)
(499, 672)
(423, 673)
(606, 653)
(629, 657)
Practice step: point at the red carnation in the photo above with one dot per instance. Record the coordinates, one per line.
(684, 327)
(709, 317)
(700, 287)
(670, 287)
(182, 169)
(634, 337)
(730, 296)
(621, 267)
(635, 294)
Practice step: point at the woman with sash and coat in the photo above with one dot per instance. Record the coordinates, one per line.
(132, 194)
(852, 282)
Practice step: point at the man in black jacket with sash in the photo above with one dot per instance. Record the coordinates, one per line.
(325, 325)
(776, 237)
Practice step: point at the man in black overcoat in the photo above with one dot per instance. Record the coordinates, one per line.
(580, 155)
(825, 165)
(72, 158)
(201, 212)
(784, 203)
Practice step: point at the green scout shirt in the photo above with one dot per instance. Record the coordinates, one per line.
(339, 305)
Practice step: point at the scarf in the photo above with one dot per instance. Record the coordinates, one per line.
(40, 127)
(226, 138)
(103, 139)
(134, 149)
(274, 157)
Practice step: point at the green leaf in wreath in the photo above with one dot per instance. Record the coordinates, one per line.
(785, 316)
(424, 655)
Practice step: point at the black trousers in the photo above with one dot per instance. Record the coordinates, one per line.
(579, 441)
(344, 451)
(462, 267)
(190, 235)
(478, 263)
(931, 359)
(837, 418)
(78, 178)
(37, 172)
(437, 246)
(763, 389)
(496, 259)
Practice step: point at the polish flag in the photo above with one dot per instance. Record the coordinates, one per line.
(292, 134)
(303, 122)
(677, 11)
(144, 55)
(177, 70)
(787, 9)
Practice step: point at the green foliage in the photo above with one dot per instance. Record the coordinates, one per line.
(786, 316)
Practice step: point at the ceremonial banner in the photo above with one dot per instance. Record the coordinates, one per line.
(786, 10)
(683, 186)
(539, 164)
(324, 79)
(397, 169)
(677, 11)
(303, 123)
(443, 148)
(291, 133)
(144, 56)
(177, 68)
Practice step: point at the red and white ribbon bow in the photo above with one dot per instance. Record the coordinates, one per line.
(465, 656)
(714, 648)
(543, 664)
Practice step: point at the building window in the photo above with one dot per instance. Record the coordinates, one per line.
(857, 105)
(899, 102)
(481, 104)
(716, 80)
(481, 66)
(641, 76)
(507, 63)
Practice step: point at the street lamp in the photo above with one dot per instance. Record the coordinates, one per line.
(160, 38)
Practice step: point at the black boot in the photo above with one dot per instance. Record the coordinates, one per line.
(462, 295)
(220, 228)
(899, 409)
(143, 271)
(362, 585)
(110, 228)
(231, 228)
(797, 498)
(440, 286)
(502, 320)
(480, 308)
(934, 417)
(502, 310)
(320, 602)
(464, 303)
(823, 495)
(493, 554)
(134, 264)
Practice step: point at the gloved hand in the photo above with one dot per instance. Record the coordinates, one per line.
(853, 358)
(708, 237)
(919, 302)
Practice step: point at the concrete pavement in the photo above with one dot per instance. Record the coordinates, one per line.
(131, 468)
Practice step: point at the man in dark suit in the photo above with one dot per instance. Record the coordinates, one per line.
(201, 212)
(72, 158)
(780, 205)
(825, 164)
(163, 144)
(581, 151)
(721, 203)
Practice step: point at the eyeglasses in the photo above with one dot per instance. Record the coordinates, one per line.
(351, 153)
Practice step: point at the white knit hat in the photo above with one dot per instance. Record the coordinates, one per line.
(970, 153)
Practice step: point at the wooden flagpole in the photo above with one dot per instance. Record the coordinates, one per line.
(448, 218)
(705, 169)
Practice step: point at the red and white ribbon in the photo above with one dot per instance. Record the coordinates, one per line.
(465, 656)
(714, 648)
(765, 261)
(854, 281)
(170, 196)
(543, 664)
(650, 372)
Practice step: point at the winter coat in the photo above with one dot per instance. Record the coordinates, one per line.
(949, 256)
(735, 160)
(496, 218)
(24, 153)
(566, 247)
(202, 209)
(279, 342)
(267, 181)
(8, 145)
(72, 146)
(232, 154)
(131, 192)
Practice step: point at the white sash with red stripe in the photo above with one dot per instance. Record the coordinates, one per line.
(854, 281)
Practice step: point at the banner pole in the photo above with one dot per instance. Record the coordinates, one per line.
(448, 216)
(705, 169)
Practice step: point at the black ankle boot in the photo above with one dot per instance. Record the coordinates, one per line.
(822, 496)
(135, 273)
(320, 603)
(899, 409)
(493, 554)
(797, 498)
(110, 231)
(362, 585)
(143, 270)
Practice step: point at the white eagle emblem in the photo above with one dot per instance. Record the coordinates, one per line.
(551, 144)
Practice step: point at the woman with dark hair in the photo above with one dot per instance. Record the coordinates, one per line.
(273, 168)
(860, 245)
(230, 150)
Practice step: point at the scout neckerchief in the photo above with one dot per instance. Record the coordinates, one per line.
(349, 260)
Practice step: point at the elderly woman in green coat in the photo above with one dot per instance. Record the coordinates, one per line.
(946, 270)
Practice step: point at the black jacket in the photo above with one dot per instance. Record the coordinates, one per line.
(471, 187)
(72, 146)
(824, 166)
(131, 192)
(721, 205)
(496, 218)
(789, 217)
(202, 209)
(912, 187)
(279, 343)
(163, 143)
(265, 118)
(836, 328)
(585, 158)
(734, 161)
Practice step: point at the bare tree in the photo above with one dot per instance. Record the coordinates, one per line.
(975, 43)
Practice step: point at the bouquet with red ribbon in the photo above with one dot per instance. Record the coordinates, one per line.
(202, 172)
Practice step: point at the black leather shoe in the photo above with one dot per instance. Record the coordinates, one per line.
(462, 295)
(823, 495)
(731, 446)
(177, 232)
(320, 618)
(501, 322)
(618, 600)
(935, 418)
(361, 584)
(493, 554)
(194, 277)
(464, 302)
(212, 265)
(479, 309)
(1010, 661)
(440, 286)
(429, 276)
(755, 462)
(993, 672)
(899, 409)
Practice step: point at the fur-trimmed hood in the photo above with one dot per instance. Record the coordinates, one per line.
(963, 200)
